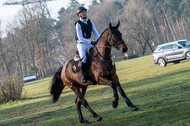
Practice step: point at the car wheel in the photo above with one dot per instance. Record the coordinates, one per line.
(187, 56)
(162, 62)
(176, 62)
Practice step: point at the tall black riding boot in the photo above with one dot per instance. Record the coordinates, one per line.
(83, 70)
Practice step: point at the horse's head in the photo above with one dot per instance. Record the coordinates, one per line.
(115, 38)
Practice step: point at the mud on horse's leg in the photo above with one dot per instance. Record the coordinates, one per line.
(127, 101)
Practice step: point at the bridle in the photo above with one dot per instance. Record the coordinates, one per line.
(115, 44)
(110, 39)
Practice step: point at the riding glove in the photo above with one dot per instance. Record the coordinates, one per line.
(93, 42)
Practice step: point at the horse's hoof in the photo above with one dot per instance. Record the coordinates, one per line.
(134, 108)
(114, 104)
(99, 118)
(84, 121)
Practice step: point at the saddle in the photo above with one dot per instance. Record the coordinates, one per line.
(77, 56)
(77, 60)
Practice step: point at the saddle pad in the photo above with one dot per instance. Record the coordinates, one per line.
(76, 67)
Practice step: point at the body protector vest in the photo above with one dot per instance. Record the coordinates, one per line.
(86, 29)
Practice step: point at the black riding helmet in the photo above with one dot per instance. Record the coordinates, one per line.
(80, 9)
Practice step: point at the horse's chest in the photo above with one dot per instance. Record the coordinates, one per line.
(103, 68)
(108, 71)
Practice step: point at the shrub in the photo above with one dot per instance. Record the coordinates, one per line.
(11, 89)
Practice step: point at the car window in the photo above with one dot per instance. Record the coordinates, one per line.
(168, 47)
(176, 46)
(187, 43)
(184, 43)
(161, 49)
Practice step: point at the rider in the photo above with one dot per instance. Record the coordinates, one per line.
(84, 28)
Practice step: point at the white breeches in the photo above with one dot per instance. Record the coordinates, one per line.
(82, 51)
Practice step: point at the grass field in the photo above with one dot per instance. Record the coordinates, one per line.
(162, 94)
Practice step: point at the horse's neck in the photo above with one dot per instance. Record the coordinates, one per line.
(103, 47)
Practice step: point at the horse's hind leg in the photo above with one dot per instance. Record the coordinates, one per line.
(78, 105)
(80, 100)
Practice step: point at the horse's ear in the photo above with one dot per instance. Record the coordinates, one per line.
(110, 25)
(118, 24)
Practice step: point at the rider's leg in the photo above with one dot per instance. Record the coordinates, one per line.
(82, 48)
(82, 54)
(83, 70)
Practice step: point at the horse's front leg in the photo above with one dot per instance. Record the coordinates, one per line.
(127, 100)
(121, 91)
(104, 81)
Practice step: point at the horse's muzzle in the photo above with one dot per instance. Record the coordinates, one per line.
(124, 50)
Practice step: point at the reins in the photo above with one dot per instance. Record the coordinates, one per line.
(98, 54)
(115, 44)
(103, 46)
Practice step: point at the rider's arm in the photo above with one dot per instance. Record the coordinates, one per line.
(80, 36)
(95, 31)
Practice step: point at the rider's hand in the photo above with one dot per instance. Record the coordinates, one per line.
(93, 42)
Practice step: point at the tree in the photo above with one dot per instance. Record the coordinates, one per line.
(139, 25)
(172, 9)
(73, 4)
(3, 57)
(61, 11)
(3, 54)
(116, 10)
(184, 8)
(38, 32)
(94, 2)
(16, 48)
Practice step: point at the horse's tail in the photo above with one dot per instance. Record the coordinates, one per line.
(57, 85)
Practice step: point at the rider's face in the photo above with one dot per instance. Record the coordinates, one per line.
(83, 14)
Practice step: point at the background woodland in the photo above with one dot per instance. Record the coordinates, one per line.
(37, 44)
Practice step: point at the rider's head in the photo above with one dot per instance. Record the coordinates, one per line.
(81, 12)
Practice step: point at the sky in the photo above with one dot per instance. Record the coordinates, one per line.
(8, 12)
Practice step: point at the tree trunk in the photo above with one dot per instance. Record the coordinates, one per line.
(5, 65)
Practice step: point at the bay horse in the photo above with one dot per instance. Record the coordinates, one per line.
(101, 70)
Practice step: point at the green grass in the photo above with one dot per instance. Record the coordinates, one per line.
(162, 94)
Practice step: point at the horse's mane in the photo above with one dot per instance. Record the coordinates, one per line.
(101, 35)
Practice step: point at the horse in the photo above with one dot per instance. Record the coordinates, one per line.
(101, 71)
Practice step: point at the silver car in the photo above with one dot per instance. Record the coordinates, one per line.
(171, 52)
